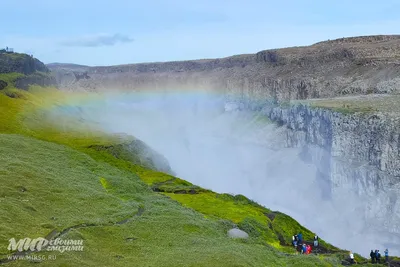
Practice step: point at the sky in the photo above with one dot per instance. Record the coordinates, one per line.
(129, 31)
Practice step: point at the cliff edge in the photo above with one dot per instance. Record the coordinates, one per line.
(346, 66)
(22, 70)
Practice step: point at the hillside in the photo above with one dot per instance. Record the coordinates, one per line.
(70, 180)
(347, 66)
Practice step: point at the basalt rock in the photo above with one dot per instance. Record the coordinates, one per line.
(356, 154)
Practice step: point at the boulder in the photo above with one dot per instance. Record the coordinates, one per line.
(237, 233)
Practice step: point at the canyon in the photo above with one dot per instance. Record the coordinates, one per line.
(355, 152)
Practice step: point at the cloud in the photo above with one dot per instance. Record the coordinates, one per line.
(98, 40)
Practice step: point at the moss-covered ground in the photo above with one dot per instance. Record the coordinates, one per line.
(364, 104)
(55, 181)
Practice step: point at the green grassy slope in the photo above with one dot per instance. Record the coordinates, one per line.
(56, 178)
(46, 186)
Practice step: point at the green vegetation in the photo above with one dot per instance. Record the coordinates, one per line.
(47, 186)
(285, 104)
(346, 109)
(10, 77)
(64, 175)
(361, 104)
(22, 63)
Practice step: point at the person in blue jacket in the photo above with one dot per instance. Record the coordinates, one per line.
(378, 256)
(300, 238)
(386, 255)
(304, 249)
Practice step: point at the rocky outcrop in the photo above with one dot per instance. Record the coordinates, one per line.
(34, 71)
(355, 154)
(340, 67)
(21, 63)
(41, 79)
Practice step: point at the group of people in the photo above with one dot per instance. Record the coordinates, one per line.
(376, 256)
(301, 246)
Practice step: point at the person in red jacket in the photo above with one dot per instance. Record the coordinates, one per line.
(308, 249)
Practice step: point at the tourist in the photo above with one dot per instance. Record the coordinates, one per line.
(386, 255)
(352, 258)
(304, 250)
(300, 237)
(378, 257)
(316, 241)
(308, 249)
(373, 256)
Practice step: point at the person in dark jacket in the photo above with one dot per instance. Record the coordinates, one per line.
(372, 255)
(299, 248)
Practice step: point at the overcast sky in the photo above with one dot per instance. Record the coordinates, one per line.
(129, 31)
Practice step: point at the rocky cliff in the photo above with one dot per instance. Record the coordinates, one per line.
(340, 67)
(21, 63)
(33, 71)
(358, 161)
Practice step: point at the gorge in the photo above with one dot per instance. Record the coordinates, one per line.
(333, 166)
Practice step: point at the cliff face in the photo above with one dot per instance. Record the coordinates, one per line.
(35, 72)
(339, 67)
(41, 79)
(356, 155)
(21, 63)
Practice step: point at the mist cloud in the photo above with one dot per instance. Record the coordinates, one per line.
(98, 40)
(239, 153)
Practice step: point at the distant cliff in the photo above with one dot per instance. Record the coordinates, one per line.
(345, 66)
(33, 70)
(21, 63)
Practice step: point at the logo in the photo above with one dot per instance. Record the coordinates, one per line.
(39, 244)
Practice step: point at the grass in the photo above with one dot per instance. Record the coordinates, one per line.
(69, 190)
(345, 108)
(10, 77)
(360, 105)
(55, 177)
(366, 104)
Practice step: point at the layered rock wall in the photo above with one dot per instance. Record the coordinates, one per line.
(339, 67)
(355, 154)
